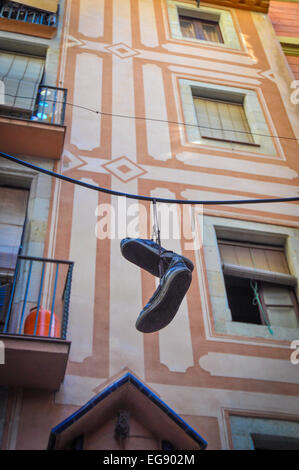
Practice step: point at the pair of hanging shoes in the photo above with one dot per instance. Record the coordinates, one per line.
(173, 286)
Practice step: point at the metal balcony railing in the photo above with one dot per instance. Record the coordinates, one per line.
(50, 105)
(39, 299)
(15, 11)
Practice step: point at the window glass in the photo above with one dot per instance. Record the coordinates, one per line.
(187, 28)
(200, 29)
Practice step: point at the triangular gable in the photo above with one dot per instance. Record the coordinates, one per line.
(127, 392)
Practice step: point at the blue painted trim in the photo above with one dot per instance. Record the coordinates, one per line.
(128, 377)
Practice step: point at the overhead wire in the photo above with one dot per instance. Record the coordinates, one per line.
(144, 118)
(141, 197)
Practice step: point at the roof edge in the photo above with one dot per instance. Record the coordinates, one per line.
(127, 377)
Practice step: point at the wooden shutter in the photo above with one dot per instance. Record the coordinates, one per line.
(281, 306)
(222, 120)
(46, 5)
(208, 118)
(13, 203)
(268, 265)
(22, 76)
(259, 275)
(254, 256)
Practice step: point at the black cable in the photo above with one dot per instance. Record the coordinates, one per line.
(142, 198)
(143, 118)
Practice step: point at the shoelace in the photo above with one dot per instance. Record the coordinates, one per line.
(156, 234)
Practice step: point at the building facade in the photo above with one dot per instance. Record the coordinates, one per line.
(165, 99)
(284, 17)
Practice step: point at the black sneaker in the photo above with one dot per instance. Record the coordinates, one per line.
(165, 302)
(145, 254)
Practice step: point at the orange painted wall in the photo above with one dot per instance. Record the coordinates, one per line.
(285, 18)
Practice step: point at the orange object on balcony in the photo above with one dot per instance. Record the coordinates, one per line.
(43, 323)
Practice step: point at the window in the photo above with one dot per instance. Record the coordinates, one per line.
(259, 433)
(13, 204)
(207, 30)
(269, 259)
(259, 286)
(225, 116)
(269, 442)
(207, 25)
(222, 120)
(21, 75)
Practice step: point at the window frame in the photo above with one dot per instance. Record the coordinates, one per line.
(16, 108)
(223, 139)
(6, 275)
(198, 29)
(264, 318)
(262, 282)
(9, 272)
(39, 189)
(255, 115)
(243, 427)
(231, 39)
(219, 313)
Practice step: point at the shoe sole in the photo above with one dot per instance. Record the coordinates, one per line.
(161, 313)
(135, 252)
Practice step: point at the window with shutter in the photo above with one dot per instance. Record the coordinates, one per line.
(13, 205)
(222, 120)
(259, 286)
(197, 28)
(21, 76)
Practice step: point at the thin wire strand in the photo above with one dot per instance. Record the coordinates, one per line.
(145, 198)
(143, 118)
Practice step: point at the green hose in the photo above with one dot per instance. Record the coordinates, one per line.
(256, 301)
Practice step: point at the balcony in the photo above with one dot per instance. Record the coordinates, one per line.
(33, 326)
(18, 18)
(39, 132)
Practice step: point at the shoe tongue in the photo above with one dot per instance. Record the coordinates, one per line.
(166, 252)
(175, 259)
